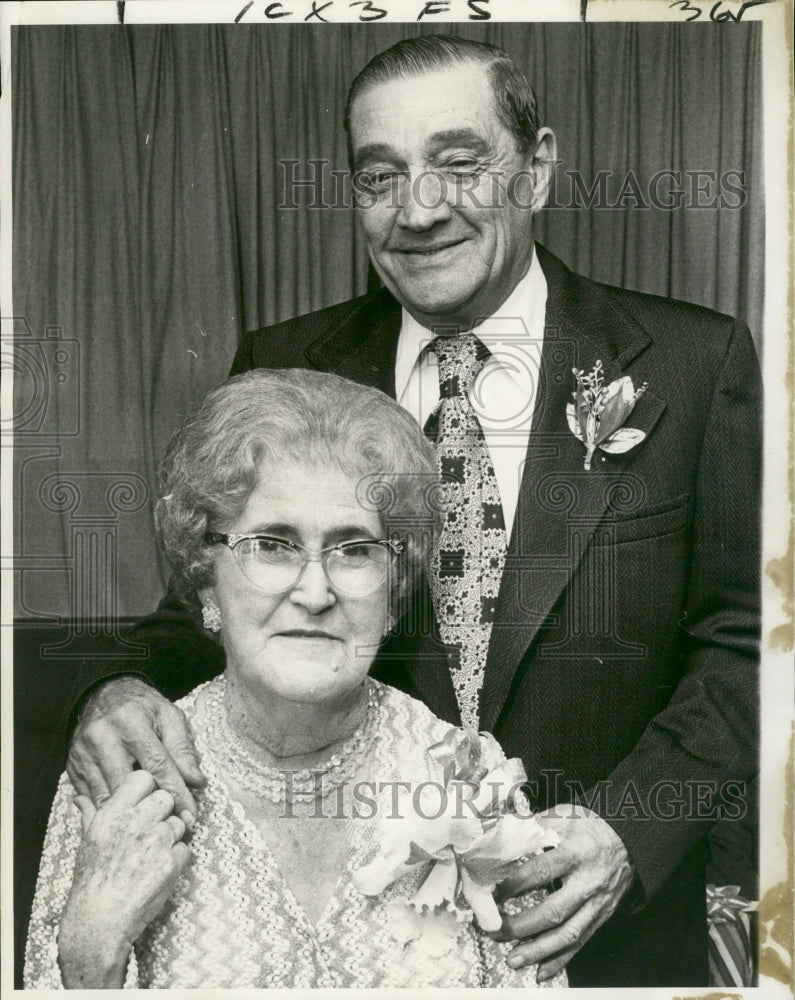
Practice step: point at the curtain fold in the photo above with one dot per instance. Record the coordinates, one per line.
(155, 223)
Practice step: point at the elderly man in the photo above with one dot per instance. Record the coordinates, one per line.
(595, 594)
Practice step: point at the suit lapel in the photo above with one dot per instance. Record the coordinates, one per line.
(560, 505)
(363, 347)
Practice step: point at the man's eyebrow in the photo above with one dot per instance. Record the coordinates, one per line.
(375, 151)
(439, 140)
(458, 137)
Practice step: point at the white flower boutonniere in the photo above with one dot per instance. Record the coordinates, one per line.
(597, 415)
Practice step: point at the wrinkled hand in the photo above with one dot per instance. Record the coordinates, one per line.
(594, 867)
(127, 722)
(130, 857)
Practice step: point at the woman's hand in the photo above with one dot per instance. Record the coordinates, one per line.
(131, 855)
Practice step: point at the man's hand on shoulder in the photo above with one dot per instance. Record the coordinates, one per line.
(596, 873)
(126, 723)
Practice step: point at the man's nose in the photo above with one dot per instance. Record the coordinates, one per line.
(313, 590)
(424, 201)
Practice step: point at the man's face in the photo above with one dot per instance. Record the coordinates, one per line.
(449, 225)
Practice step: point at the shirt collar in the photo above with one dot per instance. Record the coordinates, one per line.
(526, 303)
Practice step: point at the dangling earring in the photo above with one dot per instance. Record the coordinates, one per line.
(389, 624)
(211, 616)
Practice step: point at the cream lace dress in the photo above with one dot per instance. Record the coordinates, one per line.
(233, 922)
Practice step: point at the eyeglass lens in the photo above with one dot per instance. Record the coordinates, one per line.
(274, 567)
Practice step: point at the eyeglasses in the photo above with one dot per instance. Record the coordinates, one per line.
(275, 565)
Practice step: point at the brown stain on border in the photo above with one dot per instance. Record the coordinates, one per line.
(782, 637)
(776, 908)
(780, 571)
(712, 996)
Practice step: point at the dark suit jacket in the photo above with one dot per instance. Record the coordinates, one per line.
(622, 663)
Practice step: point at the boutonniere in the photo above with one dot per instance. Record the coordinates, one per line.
(467, 846)
(597, 415)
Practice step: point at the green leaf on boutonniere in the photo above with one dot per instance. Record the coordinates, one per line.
(597, 415)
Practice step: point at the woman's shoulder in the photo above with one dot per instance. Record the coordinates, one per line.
(415, 723)
(189, 702)
(403, 708)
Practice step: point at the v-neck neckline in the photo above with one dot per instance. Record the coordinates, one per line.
(260, 848)
(262, 856)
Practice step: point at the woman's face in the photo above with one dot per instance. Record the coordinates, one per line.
(312, 643)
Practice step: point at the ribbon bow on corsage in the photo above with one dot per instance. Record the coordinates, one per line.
(724, 903)
(473, 838)
(598, 412)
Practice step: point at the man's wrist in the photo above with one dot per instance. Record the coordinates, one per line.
(634, 896)
(80, 705)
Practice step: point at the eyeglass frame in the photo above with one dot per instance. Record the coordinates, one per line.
(231, 540)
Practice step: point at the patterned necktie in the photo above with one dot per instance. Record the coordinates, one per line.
(466, 572)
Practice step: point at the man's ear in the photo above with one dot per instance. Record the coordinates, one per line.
(544, 161)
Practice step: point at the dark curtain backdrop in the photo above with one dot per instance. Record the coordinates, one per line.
(148, 232)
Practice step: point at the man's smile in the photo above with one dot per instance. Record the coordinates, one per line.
(434, 254)
(428, 248)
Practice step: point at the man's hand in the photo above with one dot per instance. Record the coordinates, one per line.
(593, 865)
(127, 722)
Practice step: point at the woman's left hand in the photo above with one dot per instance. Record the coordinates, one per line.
(131, 855)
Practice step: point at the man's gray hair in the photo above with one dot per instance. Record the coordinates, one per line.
(267, 418)
(514, 97)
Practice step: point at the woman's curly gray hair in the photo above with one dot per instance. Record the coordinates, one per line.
(271, 418)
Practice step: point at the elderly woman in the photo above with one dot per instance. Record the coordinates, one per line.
(316, 858)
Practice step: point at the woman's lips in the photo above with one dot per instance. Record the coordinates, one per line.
(308, 634)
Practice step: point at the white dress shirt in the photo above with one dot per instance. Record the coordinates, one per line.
(504, 393)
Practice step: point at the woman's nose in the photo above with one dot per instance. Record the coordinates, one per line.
(313, 590)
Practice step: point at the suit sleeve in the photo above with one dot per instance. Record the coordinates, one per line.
(179, 655)
(696, 755)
